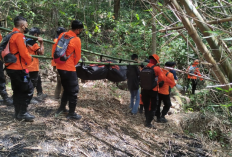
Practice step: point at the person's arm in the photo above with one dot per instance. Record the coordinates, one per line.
(199, 74)
(77, 51)
(164, 78)
(23, 52)
(41, 49)
(172, 80)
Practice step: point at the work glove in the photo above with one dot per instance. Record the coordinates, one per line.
(179, 87)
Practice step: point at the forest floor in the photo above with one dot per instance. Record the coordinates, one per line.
(106, 129)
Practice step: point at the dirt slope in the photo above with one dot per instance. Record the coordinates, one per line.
(106, 129)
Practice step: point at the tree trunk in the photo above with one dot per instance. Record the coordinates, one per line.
(153, 36)
(116, 9)
(212, 41)
(201, 46)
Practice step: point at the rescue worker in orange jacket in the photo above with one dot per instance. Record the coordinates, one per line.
(67, 70)
(164, 95)
(193, 69)
(3, 91)
(152, 95)
(59, 87)
(35, 49)
(20, 80)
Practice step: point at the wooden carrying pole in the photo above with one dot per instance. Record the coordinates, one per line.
(52, 42)
(209, 22)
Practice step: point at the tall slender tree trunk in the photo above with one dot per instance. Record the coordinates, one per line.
(154, 46)
(116, 9)
(201, 46)
(212, 41)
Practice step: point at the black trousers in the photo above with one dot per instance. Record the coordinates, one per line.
(39, 85)
(3, 92)
(194, 85)
(34, 77)
(149, 96)
(167, 104)
(70, 84)
(22, 91)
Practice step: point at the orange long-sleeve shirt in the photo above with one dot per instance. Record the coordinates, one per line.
(17, 44)
(161, 77)
(0, 38)
(52, 62)
(34, 66)
(165, 88)
(196, 72)
(73, 46)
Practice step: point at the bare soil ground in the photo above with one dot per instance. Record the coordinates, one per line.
(106, 129)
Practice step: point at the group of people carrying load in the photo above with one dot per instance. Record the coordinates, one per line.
(23, 70)
(156, 84)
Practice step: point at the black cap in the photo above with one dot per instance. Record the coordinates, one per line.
(60, 30)
(34, 30)
(170, 64)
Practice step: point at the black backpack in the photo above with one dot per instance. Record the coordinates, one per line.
(60, 52)
(5, 55)
(148, 80)
(162, 82)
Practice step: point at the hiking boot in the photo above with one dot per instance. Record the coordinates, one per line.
(62, 111)
(162, 120)
(74, 116)
(41, 96)
(8, 101)
(33, 101)
(25, 116)
(149, 125)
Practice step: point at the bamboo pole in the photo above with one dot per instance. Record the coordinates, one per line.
(186, 72)
(99, 63)
(52, 42)
(201, 46)
(209, 22)
(212, 41)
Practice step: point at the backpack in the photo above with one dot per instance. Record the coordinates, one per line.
(192, 69)
(148, 80)
(60, 52)
(162, 82)
(5, 55)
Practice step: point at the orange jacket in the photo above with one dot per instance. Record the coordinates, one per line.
(0, 38)
(73, 46)
(34, 66)
(161, 77)
(53, 63)
(165, 88)
(196, 72)
(17, 44)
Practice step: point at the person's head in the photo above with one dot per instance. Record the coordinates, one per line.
(134, 57)
(77, 27)
(21, 24)
(154, 59)
(34, 31)
(196, 62)
(60, 30)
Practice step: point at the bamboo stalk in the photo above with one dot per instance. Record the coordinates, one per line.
(99, 63)
(52, 42)
(209, 22)
(185, 72)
